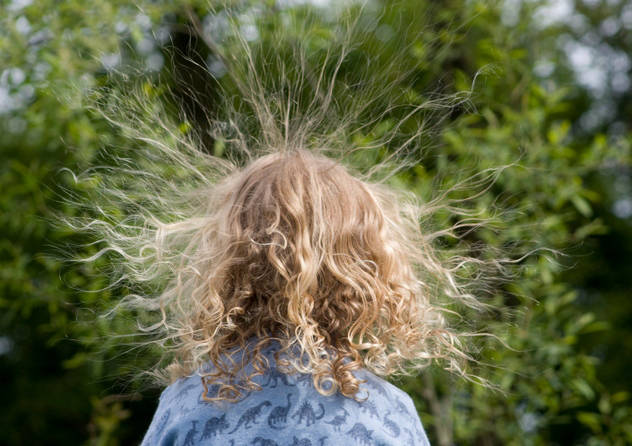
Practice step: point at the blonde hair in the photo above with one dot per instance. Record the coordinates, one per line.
(297, 249)
(293, 246)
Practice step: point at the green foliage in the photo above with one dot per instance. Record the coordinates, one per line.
(59, 363)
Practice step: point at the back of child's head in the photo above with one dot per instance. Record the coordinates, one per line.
(272, 240)
(294, 248)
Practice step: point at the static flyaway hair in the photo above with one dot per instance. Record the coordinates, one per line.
(290, 231)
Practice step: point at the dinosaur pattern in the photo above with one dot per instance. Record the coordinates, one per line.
(214, 426)
(260, 441)
(390, 425)
(379, 388)
(278, 416)
(189, 440)
(401, 408)
(250, 416)
(367, 407)
(182, 393)
(301, 442)
(287, 411)
(307, 412)
(361, 434)
(274, 376)
(339, 420)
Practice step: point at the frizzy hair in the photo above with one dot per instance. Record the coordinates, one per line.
(297, 249)
(294, 247)
(281, 238)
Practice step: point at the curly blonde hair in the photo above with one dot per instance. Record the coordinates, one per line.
(288, 243)
(297, 249)
(294, 248)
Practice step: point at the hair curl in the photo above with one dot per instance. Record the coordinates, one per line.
(293, 246)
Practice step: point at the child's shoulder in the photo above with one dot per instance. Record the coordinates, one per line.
(182, 388)
(188, 391)
(289, 404)
(376, 382)
(377, 387)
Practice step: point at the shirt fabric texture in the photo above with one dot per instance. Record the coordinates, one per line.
(288, 411)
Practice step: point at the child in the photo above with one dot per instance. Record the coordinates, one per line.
(300, 286)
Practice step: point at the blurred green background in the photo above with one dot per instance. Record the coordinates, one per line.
(555, 93)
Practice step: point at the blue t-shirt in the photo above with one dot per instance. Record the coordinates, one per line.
(288, 411)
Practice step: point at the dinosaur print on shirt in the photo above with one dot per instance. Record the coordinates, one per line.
(339, 420)
(361, 434)
(287, 411)
(278, 416)
(250, 416)
(189, 440)
(390, 425)
(307, 412)
(214, 426)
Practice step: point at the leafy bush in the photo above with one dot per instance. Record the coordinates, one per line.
(61, 365)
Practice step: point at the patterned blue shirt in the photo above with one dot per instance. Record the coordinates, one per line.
(288, 411)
